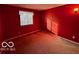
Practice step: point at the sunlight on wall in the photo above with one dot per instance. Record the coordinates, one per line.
(52, 26)
(49, 24)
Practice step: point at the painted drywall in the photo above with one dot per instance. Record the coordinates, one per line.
(11, 21)
(62, 21)
(1, 36)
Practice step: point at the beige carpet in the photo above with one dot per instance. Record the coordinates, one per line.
(43, 43)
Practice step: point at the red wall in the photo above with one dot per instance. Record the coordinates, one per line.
(11, 21)
(62, 21)
(1, 29)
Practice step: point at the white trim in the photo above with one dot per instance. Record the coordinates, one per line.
(21, 35)
(37, 31)
(70, 41)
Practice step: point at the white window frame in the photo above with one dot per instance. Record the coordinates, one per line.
(26, 18)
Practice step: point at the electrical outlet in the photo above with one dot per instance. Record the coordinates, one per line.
(73, 37)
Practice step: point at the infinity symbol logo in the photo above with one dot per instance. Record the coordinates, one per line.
(7, 44)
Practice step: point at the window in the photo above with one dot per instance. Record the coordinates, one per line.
(26, 18)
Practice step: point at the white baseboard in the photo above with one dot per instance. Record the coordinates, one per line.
(37, 31)
(71, 41)
(21, 35)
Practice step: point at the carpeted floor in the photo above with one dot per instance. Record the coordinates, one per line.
(43, 43)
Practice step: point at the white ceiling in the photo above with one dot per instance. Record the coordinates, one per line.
(37, 6)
